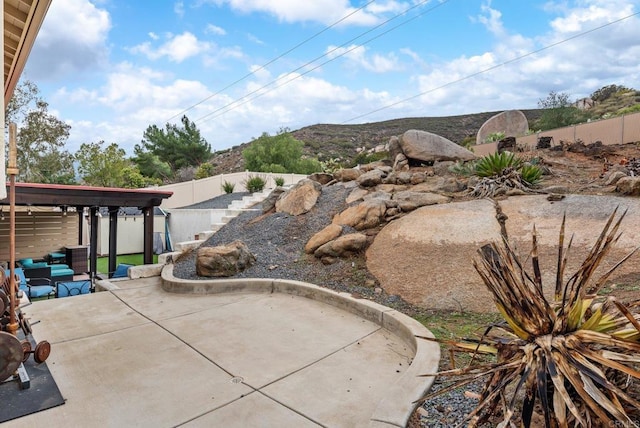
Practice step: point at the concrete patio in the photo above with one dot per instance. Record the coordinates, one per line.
(267, 354)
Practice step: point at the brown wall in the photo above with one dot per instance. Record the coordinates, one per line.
(38, 234)
(617, 130)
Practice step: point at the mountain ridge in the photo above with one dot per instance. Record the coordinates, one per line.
(344, 142)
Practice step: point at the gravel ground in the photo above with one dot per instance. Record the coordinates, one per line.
(277, 240)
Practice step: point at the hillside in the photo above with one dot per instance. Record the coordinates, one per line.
(326, 141)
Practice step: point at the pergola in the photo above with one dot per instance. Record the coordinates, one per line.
(81, 197)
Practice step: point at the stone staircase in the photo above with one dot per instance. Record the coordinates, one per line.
(234, 209)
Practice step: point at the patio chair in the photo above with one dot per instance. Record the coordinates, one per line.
(41, 288)
(73, 288)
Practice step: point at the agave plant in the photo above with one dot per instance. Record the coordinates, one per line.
(573, 358)
(501, 172)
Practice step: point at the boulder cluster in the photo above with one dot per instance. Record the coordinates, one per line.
(417, 174)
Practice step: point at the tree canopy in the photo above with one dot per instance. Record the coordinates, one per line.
(108, 167)
(279, 153)
(175, 146)
(41, 138)
(558, 111)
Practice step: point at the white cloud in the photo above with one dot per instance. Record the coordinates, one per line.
(177, 48)
(577, 66)
(356, 56)
(491, 19)
(178, 8)
(254, 39)
(324, 11)
(214, 29)
(73, 39)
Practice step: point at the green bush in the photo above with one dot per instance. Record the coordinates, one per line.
(254, 183)
(363, 158)
(464, 168)
(279, 181)
(494, 136)
(204, 170)
(530, 174)
(228, 187)
(280, 153)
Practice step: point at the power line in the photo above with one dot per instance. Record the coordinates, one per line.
(268, 63)
(469, 76)
(213, 114)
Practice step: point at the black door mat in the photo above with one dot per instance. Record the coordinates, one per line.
(43, 393)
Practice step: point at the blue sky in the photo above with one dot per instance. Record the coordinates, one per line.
(111, 68)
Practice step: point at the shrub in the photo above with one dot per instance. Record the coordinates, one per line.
(204, 170)
(279, 181)
(530, 174)
(494, 136)
(496, 163)
(254, 183)
(228, 187)
(463, 168)
(573, 357)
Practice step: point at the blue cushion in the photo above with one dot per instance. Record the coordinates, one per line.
(36, 291)
(25, 261)
(57, 266)
(20, 273)
(32, 264)
(73, 288)
(62, 274)
(122, 271)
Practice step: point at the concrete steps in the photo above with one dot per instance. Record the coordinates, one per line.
(234, 209)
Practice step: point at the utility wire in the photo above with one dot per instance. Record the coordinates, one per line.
(469, 76)
(268, 63)
(233, 104)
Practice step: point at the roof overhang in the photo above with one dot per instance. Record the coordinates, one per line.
(51, 195)
(22, 21)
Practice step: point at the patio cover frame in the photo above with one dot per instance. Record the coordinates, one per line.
(80, 197)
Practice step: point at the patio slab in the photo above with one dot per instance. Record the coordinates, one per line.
(139, 356)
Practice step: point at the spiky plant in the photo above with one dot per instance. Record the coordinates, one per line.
(501, 172)
(574, 358)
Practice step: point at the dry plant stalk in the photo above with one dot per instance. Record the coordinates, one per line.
(572, 358)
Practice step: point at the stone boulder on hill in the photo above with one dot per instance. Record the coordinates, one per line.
(300, 198)
(427, 147)
(513, 123)
(426, 256)
(224, 260)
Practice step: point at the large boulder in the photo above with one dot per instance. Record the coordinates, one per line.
(409, 201)
(224, 260)
(371, 178)
(344, 246)
(427, 147)
(629, 186)
(426, 256)
(513, 123)
(300, 198)
(269, 204)
(365, 215)
(348, 174)
(327, 234)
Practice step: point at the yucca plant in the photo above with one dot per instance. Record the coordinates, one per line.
(573, 358)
